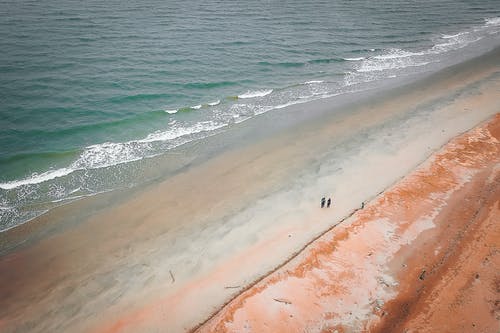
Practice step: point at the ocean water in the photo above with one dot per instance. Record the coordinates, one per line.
(90, 89)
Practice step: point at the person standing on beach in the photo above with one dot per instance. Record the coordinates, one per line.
(328, 203)
(323, 202)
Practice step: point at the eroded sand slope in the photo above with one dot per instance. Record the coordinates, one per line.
(423, 256)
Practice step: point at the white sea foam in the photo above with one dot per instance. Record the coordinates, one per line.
(396, 54)
(177, 132)
(281, 106)
(354, 59)
(239, 119)
(256, 93)
(314, 81)
(393, 59)
(108, 154)
(492, 21)
(454, 43)
(70, 198)
(374, 66)
(27, 217)
(299, 100)
(217, 102)
(36, 178)
(113, 153)
(455, 35)
(171, 111)
(465, 38)
(393, 62)
(196, 107)
(75, 190)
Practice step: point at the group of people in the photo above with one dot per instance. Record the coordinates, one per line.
(327, 202)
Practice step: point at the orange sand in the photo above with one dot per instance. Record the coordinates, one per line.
(424, 256)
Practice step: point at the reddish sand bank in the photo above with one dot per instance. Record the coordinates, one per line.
(424, 256)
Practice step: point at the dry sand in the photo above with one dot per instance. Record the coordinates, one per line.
(167, 257)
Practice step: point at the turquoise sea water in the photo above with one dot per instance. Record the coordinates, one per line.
(87, 89)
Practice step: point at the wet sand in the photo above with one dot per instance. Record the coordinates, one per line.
(422, 257)
(169, 256)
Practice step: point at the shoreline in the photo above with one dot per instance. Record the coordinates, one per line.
(242, 133)
(227, 212)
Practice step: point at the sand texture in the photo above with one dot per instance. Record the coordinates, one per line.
(422, 257)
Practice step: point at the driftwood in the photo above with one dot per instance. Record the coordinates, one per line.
(281, 300)
(172, 276)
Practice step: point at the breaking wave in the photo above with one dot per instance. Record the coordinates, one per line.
(256, 93)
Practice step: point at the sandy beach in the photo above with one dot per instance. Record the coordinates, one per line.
(421, 253)
(239, 243)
